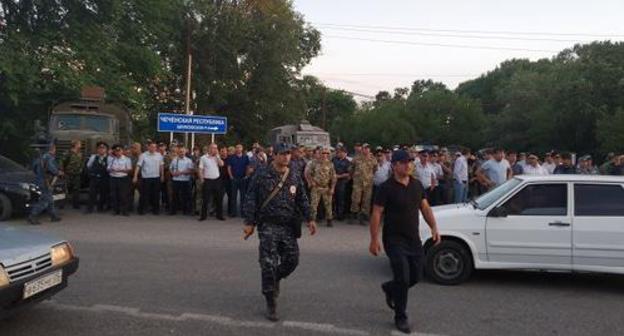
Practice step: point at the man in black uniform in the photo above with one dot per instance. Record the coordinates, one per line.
(342, 165)
(274, 201)
(399, 199)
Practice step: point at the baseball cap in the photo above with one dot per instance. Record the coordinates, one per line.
(365, 145)
(400, 156)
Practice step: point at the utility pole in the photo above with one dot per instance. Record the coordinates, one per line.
(188, 80)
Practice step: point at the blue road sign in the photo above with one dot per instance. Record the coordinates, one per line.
(182, 123)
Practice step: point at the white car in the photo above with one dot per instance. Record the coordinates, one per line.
(569, 223)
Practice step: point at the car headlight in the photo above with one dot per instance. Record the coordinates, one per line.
(61, 254)
(4, 277)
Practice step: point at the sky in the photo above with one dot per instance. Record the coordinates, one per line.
(447, 41)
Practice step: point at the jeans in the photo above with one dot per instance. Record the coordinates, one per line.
(461, 191)
(238, 186)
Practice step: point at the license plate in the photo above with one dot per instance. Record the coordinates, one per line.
(39, 285)
(58, 197)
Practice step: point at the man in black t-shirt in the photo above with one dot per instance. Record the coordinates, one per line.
(400, 199)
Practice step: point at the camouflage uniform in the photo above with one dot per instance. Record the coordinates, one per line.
(279, 223)
(363, 171)
(72, 166)
(323, 174)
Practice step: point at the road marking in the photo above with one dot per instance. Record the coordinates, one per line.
(326, 328)
(221, 320)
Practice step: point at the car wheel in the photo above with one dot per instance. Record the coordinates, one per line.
(6, 209)
(449, 263)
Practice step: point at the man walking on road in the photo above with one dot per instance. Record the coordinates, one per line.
(399, 200)
(274, 200)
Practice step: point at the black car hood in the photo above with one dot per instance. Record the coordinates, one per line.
(17, 177)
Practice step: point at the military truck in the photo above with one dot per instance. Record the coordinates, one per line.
(89, 119)
(302, 134)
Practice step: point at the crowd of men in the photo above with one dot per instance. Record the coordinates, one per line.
(340, 183)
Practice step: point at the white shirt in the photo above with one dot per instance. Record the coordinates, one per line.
(209, 166)
(382, 173)
(437, 169)
(424, 173)
(119, 163)
(550, 167)
(150, 164)
(537, 170)
(181, 165)
(460, 169)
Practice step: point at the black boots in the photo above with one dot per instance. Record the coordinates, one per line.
(271, 309)
(403, 326)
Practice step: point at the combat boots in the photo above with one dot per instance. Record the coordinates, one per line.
(271, 309)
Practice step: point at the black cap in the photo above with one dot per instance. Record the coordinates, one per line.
(116, 146)
(101, 143)
(400, 156)
(281, 147)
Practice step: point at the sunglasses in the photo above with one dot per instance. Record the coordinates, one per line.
(325, 153)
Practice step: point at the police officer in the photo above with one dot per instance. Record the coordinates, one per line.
(399, 200)
(342, 166)
(119, 167)
(323, 183)
(72, 167)
(45, 169)
(364, 166)
(99, 184)
(273, 202)
(181, 169)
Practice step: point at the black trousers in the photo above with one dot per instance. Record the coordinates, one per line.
(406, 263)
(98, 192)
(181, 197)
(119, 194)
(340, 198)
(150, 193)
(212, 191)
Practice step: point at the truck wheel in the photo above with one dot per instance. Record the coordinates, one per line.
(6, 209)
(449, 263)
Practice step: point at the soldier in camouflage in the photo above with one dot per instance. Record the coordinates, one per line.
(278, 221)
(73, 164)
(322, 185)
(363, 166)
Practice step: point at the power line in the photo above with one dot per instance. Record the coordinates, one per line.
(500, 32)
(439, 44)
(394, 75)
(482, 37)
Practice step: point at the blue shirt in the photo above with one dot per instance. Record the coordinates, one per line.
(238, 165)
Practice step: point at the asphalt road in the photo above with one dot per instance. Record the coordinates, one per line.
(175, 276)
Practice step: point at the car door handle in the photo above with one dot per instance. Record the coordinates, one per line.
(560, 224)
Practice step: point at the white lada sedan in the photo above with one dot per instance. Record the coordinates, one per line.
(569, 223)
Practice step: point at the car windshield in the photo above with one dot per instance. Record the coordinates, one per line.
(495, 194)
(68, 122)
(9, 166)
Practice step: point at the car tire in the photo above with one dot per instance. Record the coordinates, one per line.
(6, 208)
(449, 263)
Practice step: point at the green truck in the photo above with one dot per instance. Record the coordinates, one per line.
(89, 119)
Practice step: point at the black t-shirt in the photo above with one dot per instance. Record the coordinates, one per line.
(401, 210)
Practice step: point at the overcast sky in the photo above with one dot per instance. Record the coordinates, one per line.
(500, 30)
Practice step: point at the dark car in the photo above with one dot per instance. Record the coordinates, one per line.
(17, 189)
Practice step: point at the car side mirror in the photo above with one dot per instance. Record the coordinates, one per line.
(498, 212)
